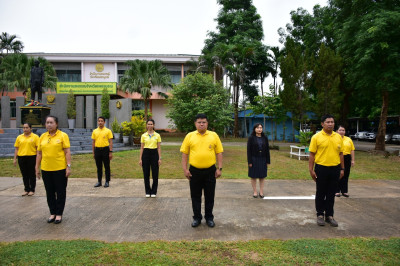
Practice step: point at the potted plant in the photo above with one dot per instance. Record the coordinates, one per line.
(105, 106)
(116, 128)
(126, 131)
(139, 127)
(305, 139)
(71, 110)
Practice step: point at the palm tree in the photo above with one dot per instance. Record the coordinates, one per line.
(142, 76)
(15, 72)
(10, 43)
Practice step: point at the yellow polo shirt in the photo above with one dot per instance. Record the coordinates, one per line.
(348, 145)
(101, 137)
(52, 148)
(150, 142)
(202, 149)
(326, 148)
(27, 145)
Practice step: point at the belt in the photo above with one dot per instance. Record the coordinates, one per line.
(102, 148)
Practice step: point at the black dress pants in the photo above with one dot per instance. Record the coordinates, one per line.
(202, 179)
(327, 182)
(27, 167)
(55, 183)
(37, 87)
(102, 156)
(344, 181)
(150, 159)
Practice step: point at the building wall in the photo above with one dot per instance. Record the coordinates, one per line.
(159, 111)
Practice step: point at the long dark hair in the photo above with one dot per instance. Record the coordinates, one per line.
(254, 130)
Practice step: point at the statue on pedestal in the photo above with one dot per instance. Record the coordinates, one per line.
(36, 82)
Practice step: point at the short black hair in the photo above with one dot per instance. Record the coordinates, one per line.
(102, 117)
(254, 129)
(200, 116)
(326, 116)
(29, 124)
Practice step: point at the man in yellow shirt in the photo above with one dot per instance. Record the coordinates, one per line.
(203, 148)
(102, 146)
(326, 152)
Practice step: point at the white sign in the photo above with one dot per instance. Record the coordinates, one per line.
(99, 72)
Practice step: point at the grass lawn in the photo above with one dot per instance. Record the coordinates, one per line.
(125, 165)
(360, 251)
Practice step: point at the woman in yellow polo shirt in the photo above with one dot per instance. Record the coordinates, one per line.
(150, 156)
(54, 158)
(349, 161)
(25, 149)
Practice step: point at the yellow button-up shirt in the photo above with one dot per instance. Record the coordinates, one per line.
(52, 148)
(150, 142)
(326, 148)
(101, 137)
(348, 145)
(27, 145)
(202, 149)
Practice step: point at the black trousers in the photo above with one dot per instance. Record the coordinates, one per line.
(344, 181)
(327, 182)
(37, 87)
(27, 167)
(150, 159)
(202, 179)
(102, 156)
(55, 183)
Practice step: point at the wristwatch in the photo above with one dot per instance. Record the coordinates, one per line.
(341, 169)
(69, 165)
(220, 169)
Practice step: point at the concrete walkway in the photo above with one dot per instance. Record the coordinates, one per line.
(122, 213)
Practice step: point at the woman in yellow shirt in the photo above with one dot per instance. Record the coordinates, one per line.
(349, 161)
(150, 156)
(54, 158)
(25, 150)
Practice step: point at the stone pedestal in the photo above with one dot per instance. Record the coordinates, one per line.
(35, 115)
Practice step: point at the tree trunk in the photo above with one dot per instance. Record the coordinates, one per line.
(236, 109)
(380, 138)
(145, 110)
(272, 131)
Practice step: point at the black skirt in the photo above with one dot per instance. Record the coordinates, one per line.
(259, 168)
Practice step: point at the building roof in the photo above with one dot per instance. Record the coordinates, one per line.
(113, 57)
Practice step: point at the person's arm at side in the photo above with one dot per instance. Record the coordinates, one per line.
(186, 172)
(159, 152)
(93, 145)
(311, 161)
(67, 152)
(141, 153)
(37, 166)
(249, 162)
(218, 173)
(341, 165)
(15, 156)
(353, 159)
(268, 153)
(110, 155)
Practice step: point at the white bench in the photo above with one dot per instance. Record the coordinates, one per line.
(298, 151)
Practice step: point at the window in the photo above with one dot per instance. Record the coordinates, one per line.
(69, 75)
(13, 108)
(175, 76)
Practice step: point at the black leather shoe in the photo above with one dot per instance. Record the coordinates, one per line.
(98, 184)
(50, 220)
(58, 221)
(106, 184)
(196, 223)
(210, 223)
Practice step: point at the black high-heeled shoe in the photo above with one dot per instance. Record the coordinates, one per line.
(58, 221)
(51, 220)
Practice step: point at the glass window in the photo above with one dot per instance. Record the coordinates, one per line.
(69, 75)
(13, 106)
(175, 76)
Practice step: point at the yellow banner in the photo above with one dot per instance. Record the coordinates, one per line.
(87, 87)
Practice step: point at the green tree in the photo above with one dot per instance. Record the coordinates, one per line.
(199, 93)
(71, 105)
(142, 76)
(105, 104)
(15, 72)
(10, 43)
(235, 46)
(294, 73)
(368, 38)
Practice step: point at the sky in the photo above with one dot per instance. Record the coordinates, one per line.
(129, 26)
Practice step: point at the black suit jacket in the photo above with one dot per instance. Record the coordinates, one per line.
(253, 149)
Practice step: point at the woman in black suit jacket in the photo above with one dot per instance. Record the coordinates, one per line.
(258, 158)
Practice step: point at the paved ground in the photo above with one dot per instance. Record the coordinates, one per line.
(121, 213)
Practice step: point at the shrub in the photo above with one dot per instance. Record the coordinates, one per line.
(139, 125)
(116, 128)
(105, 101)
(127, 128)
(141, 113)
(71, 106)
(305, 138)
